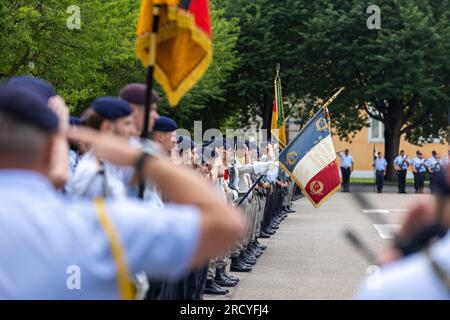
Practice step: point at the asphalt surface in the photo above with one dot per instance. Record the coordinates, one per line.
(309, 257)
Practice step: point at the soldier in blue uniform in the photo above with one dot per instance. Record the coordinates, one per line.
(419, 168)
(346, 168)
(380, 165)
(401, 164)
(434, 166)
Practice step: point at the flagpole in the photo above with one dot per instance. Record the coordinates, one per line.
(374, 169)
(150, 81)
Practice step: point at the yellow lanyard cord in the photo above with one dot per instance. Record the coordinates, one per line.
(126, 288)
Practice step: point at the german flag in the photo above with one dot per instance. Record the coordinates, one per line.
(182, 49)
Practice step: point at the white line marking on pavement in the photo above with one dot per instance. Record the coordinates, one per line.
(386, 211)
(386, 231)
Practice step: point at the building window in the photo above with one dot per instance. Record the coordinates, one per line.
(376, 131)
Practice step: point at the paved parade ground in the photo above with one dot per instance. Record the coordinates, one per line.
(309, 258)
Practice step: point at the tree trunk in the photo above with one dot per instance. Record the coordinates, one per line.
(392, 127)
(391, 150)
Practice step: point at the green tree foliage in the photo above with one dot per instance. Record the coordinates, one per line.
(100, 58)
(82, 64)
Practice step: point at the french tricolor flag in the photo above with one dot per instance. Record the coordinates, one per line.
(310, 160)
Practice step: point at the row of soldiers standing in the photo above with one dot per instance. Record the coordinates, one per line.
(420, 167)
(232, 167)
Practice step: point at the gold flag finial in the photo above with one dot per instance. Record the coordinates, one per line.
(330, 101)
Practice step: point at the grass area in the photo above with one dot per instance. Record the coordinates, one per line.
(371, 181)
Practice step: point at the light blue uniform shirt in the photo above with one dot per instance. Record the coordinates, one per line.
(42, 235)
(434, 164)
(346, 160)
(411, 278)
(380, 164)
(402, 162)
(419, 164)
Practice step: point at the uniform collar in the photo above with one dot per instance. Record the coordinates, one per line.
(30, 178)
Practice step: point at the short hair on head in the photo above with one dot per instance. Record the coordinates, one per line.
(20, 144)
(90, 118)
(401, 151)
(346, 150)
(434, 153)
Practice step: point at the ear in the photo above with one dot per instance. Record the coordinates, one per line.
(158, 136)
(106, 125)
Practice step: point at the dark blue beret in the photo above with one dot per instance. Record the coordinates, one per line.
(75, 121)
(208, 153)
(136, 93)
(28, 108)
(111, 108)
(185, 141)
(38, 86)
(207, 143)
(165, 124)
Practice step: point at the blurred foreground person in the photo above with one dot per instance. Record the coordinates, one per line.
(46, 240)
(59, 169)
(424, 273)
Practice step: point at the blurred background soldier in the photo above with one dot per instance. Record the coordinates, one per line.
(164, 133)
(346, 168)
(434, 166)
(419, 169)
(401, 164)
(134, 94)
(95, 177)
(380, 171)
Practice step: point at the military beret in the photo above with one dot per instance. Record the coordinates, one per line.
(111, 108)
(165, 124)
(38, 86)
(28, 108)
(209, 153)
(136, 93)
(184, 142)
(75, 121)
(207, 143)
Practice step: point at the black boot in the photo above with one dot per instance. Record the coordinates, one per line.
(269, 230)
(213, 288)
(229, 276)
(238, 266)
(222, 281)
(260, 245)
(263, 235)
(289, 209)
